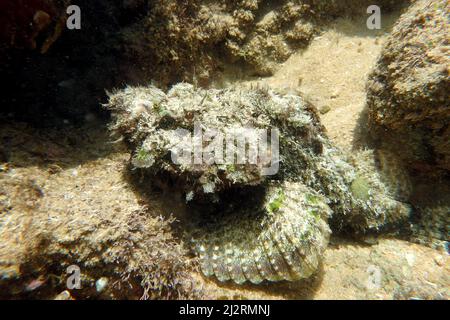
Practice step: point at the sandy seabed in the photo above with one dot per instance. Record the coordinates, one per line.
(62, 186)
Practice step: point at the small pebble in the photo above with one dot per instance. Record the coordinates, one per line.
(65, 295)
(439, 260)
(35, 284)
(101, 284)
(324, 109)
(335, 94)
(10, 272)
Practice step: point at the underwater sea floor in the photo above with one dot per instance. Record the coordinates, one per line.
(80, 196)
(73, 185)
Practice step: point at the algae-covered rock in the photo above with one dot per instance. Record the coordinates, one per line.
(408, 96)
(271, 199)
(197, 39)
(48, 226)
(194, 39)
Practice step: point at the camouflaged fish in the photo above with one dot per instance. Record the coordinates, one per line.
(260, 203)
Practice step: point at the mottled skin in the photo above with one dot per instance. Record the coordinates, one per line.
(281, 238)
(246, 226)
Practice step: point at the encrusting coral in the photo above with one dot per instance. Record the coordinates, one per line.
(238, 210)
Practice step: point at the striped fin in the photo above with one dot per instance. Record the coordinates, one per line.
(285, 243)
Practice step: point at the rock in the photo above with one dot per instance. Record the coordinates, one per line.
(325, 109)
(335, 94)
(35, 284)
(65, 295)
(408, 97)
(370, 240)
(439, 260)
(101, 284)
(410, 258)
(77, 221)
(196, 39)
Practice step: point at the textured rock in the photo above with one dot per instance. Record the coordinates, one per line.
(70, 212)
(138, 41)
(198, 39)
(408, 92)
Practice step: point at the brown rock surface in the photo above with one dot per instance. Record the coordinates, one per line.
(408, 92)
